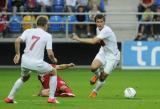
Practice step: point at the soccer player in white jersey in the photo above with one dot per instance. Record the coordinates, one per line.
(108, 56)
(36, 41)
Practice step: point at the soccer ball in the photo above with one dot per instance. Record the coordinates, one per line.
(129, 92)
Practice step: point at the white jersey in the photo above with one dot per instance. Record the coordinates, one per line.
(108, 43)
(36, 40)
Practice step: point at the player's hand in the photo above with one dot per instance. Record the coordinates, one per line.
(75, 37)
(55, 60)
(71, 65)
(16, 58)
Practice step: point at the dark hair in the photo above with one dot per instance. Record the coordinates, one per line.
(99, 16)
(42, 21)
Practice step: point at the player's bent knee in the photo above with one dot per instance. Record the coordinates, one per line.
(53, 72)
(103, 77)
(25, 78)
(93, 69)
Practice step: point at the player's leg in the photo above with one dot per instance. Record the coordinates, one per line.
(96, 67)
(53, 85)
(108, 67)
(99, 84)
(47, 68)
(25, 74)
(66, 91)
(62, 89)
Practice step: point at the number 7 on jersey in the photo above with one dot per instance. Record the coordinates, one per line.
(34, 41)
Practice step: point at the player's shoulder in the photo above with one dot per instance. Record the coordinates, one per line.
(107, 28)
(46, 34)
(28, 30)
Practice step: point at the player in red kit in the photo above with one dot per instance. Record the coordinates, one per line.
(62, 89)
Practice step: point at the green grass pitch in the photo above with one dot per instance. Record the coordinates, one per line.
(146, 83)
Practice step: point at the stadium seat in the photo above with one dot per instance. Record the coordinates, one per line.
(28, 19)
(70, 18)
(58, 5)
(58, 2)
(15, 24)
(55, 27)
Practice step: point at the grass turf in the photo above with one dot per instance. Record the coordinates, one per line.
(145, 82)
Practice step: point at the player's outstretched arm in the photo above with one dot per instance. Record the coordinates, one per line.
(64, 66)
(86, 40)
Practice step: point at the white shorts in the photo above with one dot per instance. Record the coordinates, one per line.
(107, 64)
(39, 67)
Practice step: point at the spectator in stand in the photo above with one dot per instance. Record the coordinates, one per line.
(83, 3)
(3, 17)
(70, 5)
(92, 13)
(143, 4)
(81, 18)
(3, 23)
(102, 6)
(31, 5)
(18, 5)
(9, 6)
(156, 4)
(145, 30)
(45, 5)
(156, 27)
(91, 3)
(3, 5)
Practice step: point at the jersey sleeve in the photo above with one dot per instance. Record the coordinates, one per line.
(49, 42)
(24, 35)
(104, 34)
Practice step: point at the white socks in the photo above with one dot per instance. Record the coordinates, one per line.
(19, 83)
(98, 85)
(15, 88)
(97, 72)
(53, 86)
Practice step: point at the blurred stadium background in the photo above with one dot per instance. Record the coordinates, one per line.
(140, 49)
